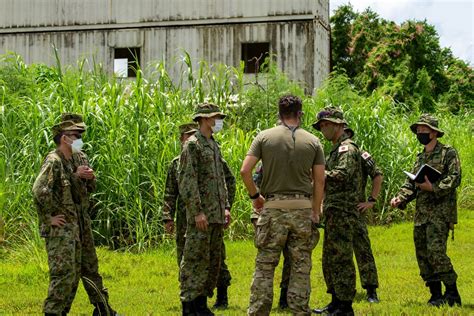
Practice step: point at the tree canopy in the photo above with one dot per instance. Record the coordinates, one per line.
(405, 62)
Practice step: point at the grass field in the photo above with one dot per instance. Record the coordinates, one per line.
(147, 283)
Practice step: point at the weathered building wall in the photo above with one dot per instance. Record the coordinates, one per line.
(212, 31)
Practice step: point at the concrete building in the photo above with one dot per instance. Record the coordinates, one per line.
(116, 32)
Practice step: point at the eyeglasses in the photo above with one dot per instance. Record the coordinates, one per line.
(324, 114)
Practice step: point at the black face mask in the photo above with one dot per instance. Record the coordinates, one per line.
(423, 138)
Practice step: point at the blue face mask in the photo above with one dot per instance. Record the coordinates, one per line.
(218, 125)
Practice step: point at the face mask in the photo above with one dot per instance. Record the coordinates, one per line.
(76, 145)
(423, 138)
(328, 132)
(219, 124)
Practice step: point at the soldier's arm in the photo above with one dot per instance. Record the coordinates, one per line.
(188, 180)
(408, 191)
(375, 174)
(171, 192)
(346, 164)
(43, 189)
(230, 184)
(452, 178)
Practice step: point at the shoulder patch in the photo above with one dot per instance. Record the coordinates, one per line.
(365, 155)
(343, 149)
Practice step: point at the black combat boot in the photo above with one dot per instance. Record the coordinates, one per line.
(436, 296)
(188, 308)
(328, 308)
(222, 300)
(343, 308)
(283, 303)
(102, 309)
(451, 296)
(372, 294)
(200, 305)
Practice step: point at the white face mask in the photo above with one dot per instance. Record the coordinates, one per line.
(76, 145)
(219, 124)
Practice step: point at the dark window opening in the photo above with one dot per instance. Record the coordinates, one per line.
(126, 61)
(253, 55)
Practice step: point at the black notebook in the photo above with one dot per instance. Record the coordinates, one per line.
(425, 170)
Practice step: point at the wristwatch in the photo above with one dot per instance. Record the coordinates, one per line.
(371, 199)
(255, 196)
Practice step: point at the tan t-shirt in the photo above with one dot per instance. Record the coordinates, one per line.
(287, 159)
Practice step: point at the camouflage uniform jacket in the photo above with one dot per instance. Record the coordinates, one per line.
(172, 199)
(82, 188)
(202, 179)
(52, 192)
(343, 176)
(439, 205)
(369, 169)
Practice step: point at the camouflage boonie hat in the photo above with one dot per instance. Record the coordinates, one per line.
(427, 120)
(188, 128)
(330, 114)
(349, 131)
(207, 110)
(76, 118)
(66, 126)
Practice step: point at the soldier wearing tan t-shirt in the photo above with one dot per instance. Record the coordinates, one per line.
(289, 204)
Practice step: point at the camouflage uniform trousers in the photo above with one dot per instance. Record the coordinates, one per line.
(224, 274)
(70, 260)
(363, 253)
(277, 228)
(430, 246)
(338, 249)
(200, 265)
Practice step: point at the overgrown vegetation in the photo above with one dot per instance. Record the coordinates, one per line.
(132, 137)
(403, 61)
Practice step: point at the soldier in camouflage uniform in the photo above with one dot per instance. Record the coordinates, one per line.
(61, 193)
(285, 273)
(436, 210)
(362, 248)
(341, 216)
(203, 189)
(289, 206)
(173, 206)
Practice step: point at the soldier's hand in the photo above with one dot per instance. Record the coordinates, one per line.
(201, 222)
(227, 218)
(364, 206)
(58, 220)
(315, 217)
(425, 186)
(258, 203)
(84, 172)
(395, 202)
(169, 227)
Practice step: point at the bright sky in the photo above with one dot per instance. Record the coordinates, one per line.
(453, 19)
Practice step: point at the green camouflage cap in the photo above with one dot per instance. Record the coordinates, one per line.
(66, 126)
(188, 128)
(207, 110)
(427, 120)
(76, 118)
(330, 114)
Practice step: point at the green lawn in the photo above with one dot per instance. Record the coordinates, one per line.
(147, 284)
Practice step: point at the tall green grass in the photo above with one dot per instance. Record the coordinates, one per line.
(132, 136)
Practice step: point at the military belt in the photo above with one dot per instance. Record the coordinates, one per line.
(274, 197)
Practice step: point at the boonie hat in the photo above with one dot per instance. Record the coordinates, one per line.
(330, 114)
(427, 120)
(188, 128)
(76, 118)
(66, 126)
(207, 110)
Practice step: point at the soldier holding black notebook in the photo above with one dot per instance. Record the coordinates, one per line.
(436, 210)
